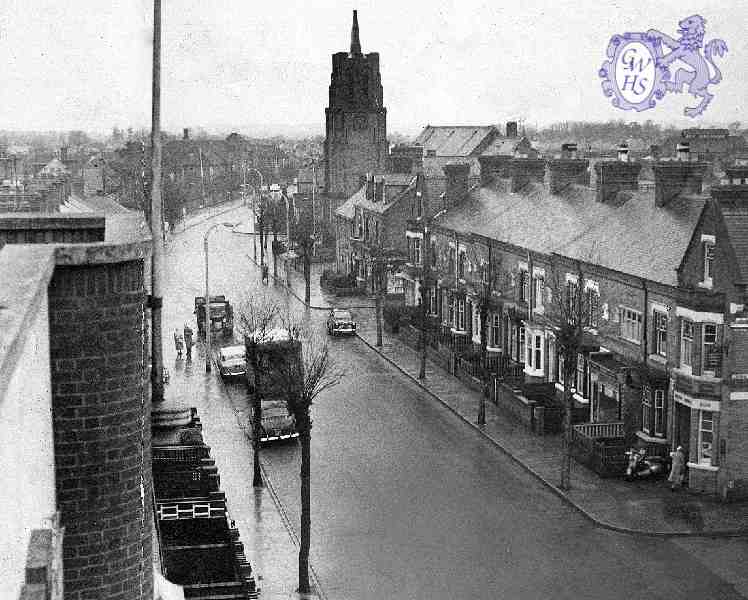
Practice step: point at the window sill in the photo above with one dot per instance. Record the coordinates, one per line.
(458, 331)
(494, 349)
(580, 399)
(706, 284)
(658, 358)
(702, 377)
(700, 467)
(534, 372)
(650, 438)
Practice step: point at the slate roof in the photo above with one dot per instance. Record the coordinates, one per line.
(98, 204)
(635, 238)
(347, 210)
(397, 180)
(735, 217)
(454, 140)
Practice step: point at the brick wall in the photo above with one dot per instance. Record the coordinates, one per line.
(101, 416)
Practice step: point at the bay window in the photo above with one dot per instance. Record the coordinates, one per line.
(417, 251)
(659, 412)
(646, 410)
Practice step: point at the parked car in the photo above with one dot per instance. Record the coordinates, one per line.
(340, 322)
(277, 423)
(232, 361)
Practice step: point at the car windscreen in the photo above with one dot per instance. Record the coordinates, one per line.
(231, 354)
(342, 315)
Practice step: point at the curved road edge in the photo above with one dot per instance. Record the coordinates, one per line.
(552, 487)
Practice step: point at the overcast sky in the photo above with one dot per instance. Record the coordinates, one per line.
(231, 64)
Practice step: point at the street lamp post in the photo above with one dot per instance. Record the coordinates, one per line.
(425, 258)
(207, 293)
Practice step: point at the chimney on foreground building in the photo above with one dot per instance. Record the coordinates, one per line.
(525, 171)
(494, 167)
(457, 183)
(615, 176)
(568, 170)
(676, 177)
(511, 129)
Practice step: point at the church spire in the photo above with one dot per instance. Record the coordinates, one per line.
(355, 42)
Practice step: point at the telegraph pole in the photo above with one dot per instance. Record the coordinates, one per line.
(157, 261)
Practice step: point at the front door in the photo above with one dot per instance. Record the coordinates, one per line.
(682, 434)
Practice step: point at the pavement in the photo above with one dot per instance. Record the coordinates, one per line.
(269, 538)
(644, 507)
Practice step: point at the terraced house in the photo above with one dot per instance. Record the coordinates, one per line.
(661, 276)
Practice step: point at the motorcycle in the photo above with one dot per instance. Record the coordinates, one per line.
(641, 466)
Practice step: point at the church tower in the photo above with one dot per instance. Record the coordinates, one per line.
(356, 120)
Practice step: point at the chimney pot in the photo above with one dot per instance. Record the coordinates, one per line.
(186, 133)
(623, 152)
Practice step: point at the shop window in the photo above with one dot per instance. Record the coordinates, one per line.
(631, 325)
(706, 437)
(660, 333)
(686, 343)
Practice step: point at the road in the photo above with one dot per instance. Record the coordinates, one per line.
(408, 502)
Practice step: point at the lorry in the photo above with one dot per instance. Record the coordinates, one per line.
(221, 316)
(266, 350)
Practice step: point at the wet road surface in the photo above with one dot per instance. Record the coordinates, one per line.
(407, 501)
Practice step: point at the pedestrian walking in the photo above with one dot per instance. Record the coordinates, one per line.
(178, 342)
(677, 468)
(188, 340)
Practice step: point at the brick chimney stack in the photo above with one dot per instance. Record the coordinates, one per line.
(494, 167)
(511, 129)
(615, 176)
(370, 187)
(63, 154)
(525, 171)
(379, 187)
(457, 183)
(186, 133)
(568, 170)
(676, 177)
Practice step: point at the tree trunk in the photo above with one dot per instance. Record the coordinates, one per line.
(256, 417)
(378, 309)
(262, 244)
(307, 276)
(275, 254)
(565, 483)
(306, 519)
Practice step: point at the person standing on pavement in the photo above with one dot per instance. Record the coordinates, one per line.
(188, 341)
(677, 469)
(178, 342)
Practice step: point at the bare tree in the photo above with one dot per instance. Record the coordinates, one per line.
(571, 314)
(483, 286)
(258, 314)
(303, 237)
(303, 369)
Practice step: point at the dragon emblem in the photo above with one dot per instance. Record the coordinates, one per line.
(638, 71)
